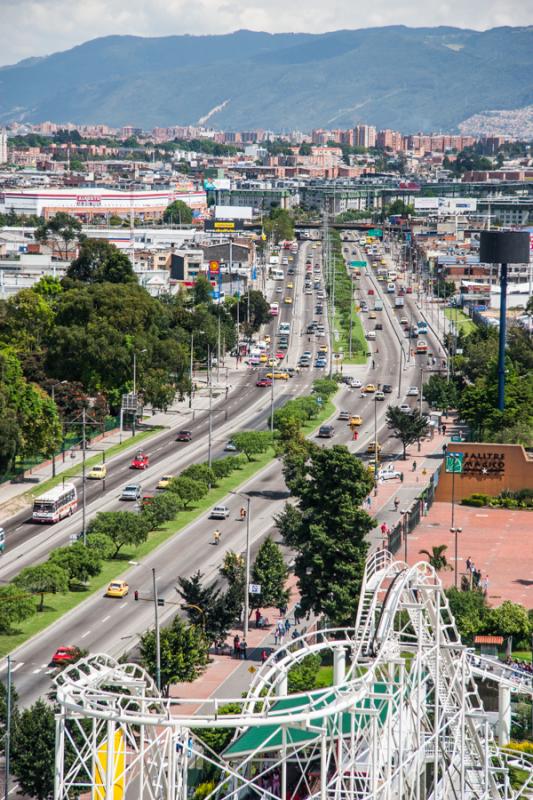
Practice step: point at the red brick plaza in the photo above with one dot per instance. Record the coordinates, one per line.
(499, 542)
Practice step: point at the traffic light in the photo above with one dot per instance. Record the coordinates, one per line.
(160, 601)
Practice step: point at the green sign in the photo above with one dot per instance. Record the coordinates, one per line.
(378, 232)
(456, 437)
(454, 462)
(358, 263)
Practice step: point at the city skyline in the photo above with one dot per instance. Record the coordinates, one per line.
(56, 26)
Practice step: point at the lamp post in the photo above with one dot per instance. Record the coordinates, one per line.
(191, 369)
(375, 447)
(7, 737)
(246, 566)
(157, 635)
(135, 385)
(455, 531)
(53, 391)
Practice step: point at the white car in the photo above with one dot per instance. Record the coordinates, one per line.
(230, 447)
(219, 512)
(379, 396)
(355, 383)
(371, 335)
(389, 472)
(405, 407)
(412, 391)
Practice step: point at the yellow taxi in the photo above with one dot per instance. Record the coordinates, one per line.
(354, 420)
(323, 348)
(370, 388)
(373, 446)
(267, 339)
(98, 472)
(117, 589)
(372, 315)
(263, 358)
(165, 481)
(290, 285)
(272, 362)
(278, 375)
(288, 300)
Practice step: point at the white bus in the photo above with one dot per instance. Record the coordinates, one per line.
(274, 309)
(277, 274)
(55, 504)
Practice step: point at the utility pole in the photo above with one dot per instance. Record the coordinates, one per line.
(7, 741)
(157, 634)
(191, 369)
(83, 495)
(247, 573)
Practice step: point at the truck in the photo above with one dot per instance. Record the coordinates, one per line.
(399, 302)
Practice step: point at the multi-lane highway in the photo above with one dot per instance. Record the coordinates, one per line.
(108, 625)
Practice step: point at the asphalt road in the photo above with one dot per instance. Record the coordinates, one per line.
(102, 624)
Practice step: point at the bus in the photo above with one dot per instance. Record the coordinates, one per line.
(274, 309)
(421, 346)
(421, 328)
(277, 274)
(55, 504)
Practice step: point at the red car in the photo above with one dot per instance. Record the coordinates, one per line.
(264, 382)
(140, 461)
(65, 655)
(280, 355)
(184, 436)
(370, 291)
(409, 290)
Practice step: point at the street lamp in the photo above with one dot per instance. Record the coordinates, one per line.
(375, 446)
(455, 531)
(135, 384)
(246, 566)
(53, 392)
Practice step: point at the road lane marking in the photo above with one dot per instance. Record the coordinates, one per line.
(36, 671)
(124, 604)
(86, 634)
(17, 666)
(106, 618)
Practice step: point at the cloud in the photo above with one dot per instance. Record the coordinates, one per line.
(38, 27)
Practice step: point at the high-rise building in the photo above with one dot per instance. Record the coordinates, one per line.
(390, 140)
(365, 136)
(3, 147)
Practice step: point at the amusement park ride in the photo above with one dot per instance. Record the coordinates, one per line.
(403, 719)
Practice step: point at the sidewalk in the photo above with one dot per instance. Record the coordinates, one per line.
(178, 415)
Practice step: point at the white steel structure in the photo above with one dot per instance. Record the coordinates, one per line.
(402, 720)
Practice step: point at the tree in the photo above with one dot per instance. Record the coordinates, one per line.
(469, 610)
(178, 212)
(161, 508)
(47, 578)
(62, 227)
(122, 527)
(252, 443)
(217, 739)
(408, 428)
(510, 620)
(270, 572)
(15, 606)
(398, 207)
(32, 752)
(184, 652)
(100, 261)
(302, 677)
(440, 393)
(279, 224)
(206, 606)
(79, 562)
(437, 558)
(158, 389)
(101, 543)
(444, 288)
(232, 569)
(200, 472)
(328, 531)
(254, 311)
(188, 490)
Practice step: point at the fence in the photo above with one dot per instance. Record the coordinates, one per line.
(412, 516)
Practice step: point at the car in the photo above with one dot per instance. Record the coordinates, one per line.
(326, 432)
(262, 382)
(292, 371)
(372, 315)
(404, 321)
(412, 391)
(279, 290)
(319, 310)
(267, 339)
(321, 363)
(272, 362)
(132, 491)
(164, 481)
(373, 447)
(307, 354)
(370, 291)
(409, 290)
(290, 285)
(117, 589)
(290, 271)
(311, 328)
(184, 436)
(379, 396)
(98, 472)
(388, 473)
(280, 355)
(230, 447)
(371, 335)
(405, 408)
(278, 375)
(378, 326)
(369, 388)
(140, 461)
(308, 291)
(219, 512)
(355, 420)
(288, 301)
(283, 345)
(263, 358)
(344, 415)
(387, 388)
(323, 348)
(67, 654)
(304, 362)
(355, 383)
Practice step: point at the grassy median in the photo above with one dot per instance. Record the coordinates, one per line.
(58, 605)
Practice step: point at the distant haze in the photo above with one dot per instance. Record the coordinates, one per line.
(410, 79)
(39, 27)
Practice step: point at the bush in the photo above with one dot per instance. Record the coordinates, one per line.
(161, 509)
(222, 468)
(302, 677)
(476, 500)
(200, 472)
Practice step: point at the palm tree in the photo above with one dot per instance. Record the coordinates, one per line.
(437, 557)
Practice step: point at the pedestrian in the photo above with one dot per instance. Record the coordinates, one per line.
(396, 503)
(426, 508)
(295, 633)
(485, 585)
(276, 636)
(244, 650)
(236, 642)
(469, 563)
(257, 617)
(383, 528)
(444, 430)
(264, 656)
(287, 625)
(297, 613)
(414, 466)
(369, 501)
(373, 364)
(401, 477)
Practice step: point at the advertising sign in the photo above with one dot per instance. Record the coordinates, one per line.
(223, 225)
(454, 462)
(233, 212)
(214, 268)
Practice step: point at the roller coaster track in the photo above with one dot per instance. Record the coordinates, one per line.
(403, 719)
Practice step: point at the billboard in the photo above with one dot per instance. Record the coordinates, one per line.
(446, 205)
(233, 212)
(223, 225)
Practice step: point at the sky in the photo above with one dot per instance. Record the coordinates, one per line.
(39, 27)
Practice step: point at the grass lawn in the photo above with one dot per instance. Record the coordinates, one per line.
(324, 677)
(359, 343)
(464, 323)
(75, 470)
(57, 605)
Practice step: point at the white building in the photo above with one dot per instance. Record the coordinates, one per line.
(3, 147)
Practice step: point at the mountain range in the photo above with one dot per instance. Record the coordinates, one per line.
(409, 79)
